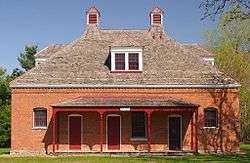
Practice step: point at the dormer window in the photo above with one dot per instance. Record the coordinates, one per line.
(126, 59)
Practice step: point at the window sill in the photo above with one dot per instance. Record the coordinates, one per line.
(138, 139)
(210, 127)
(39, 128)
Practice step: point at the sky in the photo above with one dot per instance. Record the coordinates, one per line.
(45, 22)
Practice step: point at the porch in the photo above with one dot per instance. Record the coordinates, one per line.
(170, 127)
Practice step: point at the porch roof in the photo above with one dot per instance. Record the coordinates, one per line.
(124, 102)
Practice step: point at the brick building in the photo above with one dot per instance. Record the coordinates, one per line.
(124, 91)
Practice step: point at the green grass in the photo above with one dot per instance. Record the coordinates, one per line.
(116, 159)
(4, 151)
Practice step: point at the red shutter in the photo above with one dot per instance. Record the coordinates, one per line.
(157, 18)
(92, 18)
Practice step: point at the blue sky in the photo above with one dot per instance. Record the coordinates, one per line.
(44, 22)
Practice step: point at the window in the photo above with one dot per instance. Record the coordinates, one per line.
(138, 125)
(126, 59)
(40, 117)
(120, 61)
(133, 59)
(157, 18)
(92, 18)
(210, 117)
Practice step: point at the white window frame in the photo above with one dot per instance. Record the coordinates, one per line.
(33, 115)
(217, 118)
(152, 18)
(126, 51)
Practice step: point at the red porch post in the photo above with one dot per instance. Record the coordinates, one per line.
(53, 130)
(196, 130)
(101, 131)
(57, 130)
(149, 129)
(192, 132)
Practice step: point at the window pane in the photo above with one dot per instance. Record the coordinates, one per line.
(40, 118)
(210, 118)
(120, 61)
(138, 125)
(133, 59)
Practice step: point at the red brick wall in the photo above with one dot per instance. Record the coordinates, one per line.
(225, 138)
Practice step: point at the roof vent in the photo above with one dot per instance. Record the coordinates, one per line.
(156, 23)
(156, 16)
(93, 16)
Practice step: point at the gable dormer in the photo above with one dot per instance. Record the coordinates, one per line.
(126, 59)
(93, 16)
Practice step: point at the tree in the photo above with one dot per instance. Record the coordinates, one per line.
(27, 58)
(211, 8)
(4, 109)
(230, 42)
(15, 73)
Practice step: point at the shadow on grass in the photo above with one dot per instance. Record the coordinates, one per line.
(117, 159)
(4, 151)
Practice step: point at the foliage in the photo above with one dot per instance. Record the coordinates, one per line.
(27, 58)
(4, 109)
(5, 125)
(27, 61)
(211, 8)
(231, 43)
(16, 72)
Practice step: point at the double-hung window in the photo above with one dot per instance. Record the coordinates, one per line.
(40, 118)
(210, 117)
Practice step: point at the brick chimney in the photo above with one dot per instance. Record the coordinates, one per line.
(93, 16)
(156, 23)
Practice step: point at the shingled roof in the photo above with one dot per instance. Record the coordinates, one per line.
(85, 62)
(49, 51)
(199, 50)
(124, 102)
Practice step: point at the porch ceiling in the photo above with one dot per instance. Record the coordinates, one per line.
(124, 102)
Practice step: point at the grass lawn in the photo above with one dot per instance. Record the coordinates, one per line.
(4, 151)
(117, 159)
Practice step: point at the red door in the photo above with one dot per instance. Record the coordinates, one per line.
(114, 133)
(75, 133)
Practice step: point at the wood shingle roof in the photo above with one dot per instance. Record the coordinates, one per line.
(86, 61)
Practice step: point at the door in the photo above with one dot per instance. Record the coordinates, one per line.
(114, 136)
(75, 128)
(174, 133)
